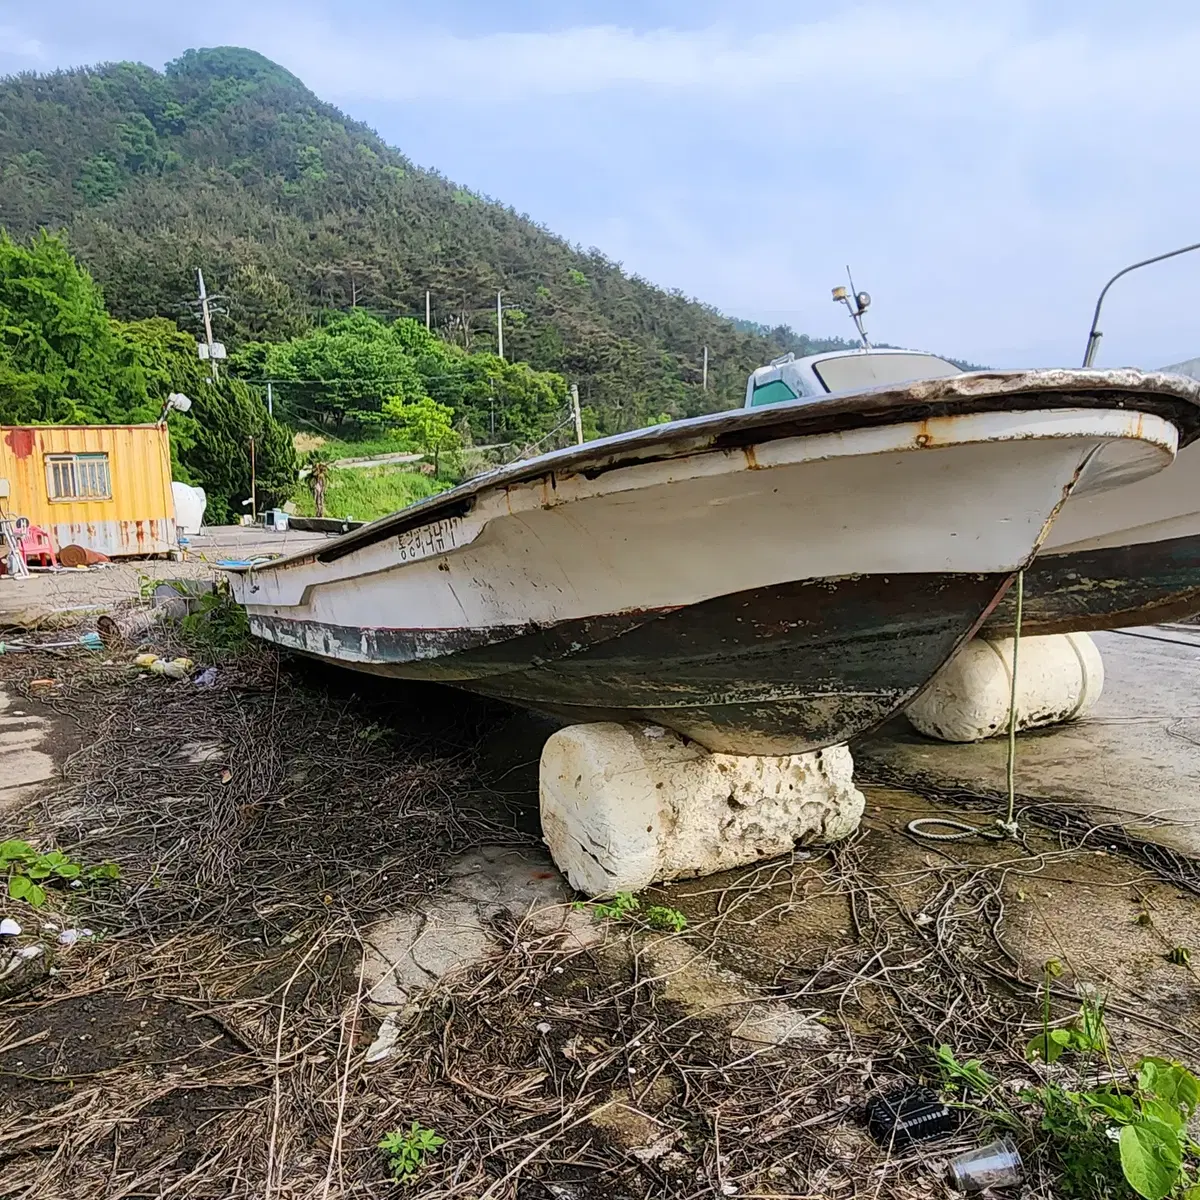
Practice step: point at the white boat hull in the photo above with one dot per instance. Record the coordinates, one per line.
(772, 598)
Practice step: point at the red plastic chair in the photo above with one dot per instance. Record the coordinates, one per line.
(37, 544)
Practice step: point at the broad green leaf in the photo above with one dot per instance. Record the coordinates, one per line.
(1150, 1159)
(53, 857)
(1169, 1081)
(1112, 1104)
(37, 896)
(1164, 1113)
(37, 871)
(13, 849)
(67, 870)
(1045, 1047)
(18, 886)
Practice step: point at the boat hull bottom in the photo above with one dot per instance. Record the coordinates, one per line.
(1085, 591)
(779, 670)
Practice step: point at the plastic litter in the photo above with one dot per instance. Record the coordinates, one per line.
(145, 660)
(69, 937)
(9, 928)
(385, 1041)
(87, 641)
(908, 1114)
(996, 1165)
(206, 678)
(171, 670)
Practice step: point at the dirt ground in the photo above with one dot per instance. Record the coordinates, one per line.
(220, 1032)
(58, 598)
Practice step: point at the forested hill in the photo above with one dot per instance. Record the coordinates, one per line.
(228, 162)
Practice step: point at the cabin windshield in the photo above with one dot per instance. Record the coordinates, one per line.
(855, 371)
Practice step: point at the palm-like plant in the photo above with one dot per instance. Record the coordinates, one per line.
(316, 473)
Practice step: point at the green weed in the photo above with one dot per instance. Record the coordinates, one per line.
(406, 1152)
(31, 872)
(1108, 1141)
(218, 628)
(625, 906)
(969, 1075)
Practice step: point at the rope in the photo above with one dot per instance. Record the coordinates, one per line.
(1008, 827)
(962, 830)
(1009, 824)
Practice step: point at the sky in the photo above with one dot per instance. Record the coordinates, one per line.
(982, 167)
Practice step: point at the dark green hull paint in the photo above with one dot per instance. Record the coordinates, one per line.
(1113, 588)
(777, 670)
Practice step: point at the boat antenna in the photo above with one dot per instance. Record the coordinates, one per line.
(1094, 334)
(856, 304)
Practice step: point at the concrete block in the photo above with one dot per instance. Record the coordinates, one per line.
(1059, 678)
(624, 806)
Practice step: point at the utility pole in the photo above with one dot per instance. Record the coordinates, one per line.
(270, 401)
(208, 337)
(426, 309)
(705, 376)
(253, 486)
(499, 324)
(575, 412)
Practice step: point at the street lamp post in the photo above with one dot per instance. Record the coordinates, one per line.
(1094, 334)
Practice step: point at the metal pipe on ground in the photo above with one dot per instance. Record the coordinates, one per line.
(128, 628)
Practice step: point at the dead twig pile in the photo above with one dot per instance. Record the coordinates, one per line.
(213, 1042)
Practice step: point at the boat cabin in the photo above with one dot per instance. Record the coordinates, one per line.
(792, 378)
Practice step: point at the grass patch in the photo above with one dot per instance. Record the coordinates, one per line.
(368, 494)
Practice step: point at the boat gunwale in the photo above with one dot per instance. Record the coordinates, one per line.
(1175, 398)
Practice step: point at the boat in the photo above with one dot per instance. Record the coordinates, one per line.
(771, 580)
(1117, 559)
(323, 524)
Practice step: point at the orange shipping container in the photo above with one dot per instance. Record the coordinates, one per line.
(105, 487)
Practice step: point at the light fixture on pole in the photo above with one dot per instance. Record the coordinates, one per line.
(177, 401)
(1094, 334)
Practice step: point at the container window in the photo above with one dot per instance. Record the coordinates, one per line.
(78, 477)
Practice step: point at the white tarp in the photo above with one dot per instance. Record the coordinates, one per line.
(190, 503)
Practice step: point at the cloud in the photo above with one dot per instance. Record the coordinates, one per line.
(15, 43)
(984, 167)
(860, 55)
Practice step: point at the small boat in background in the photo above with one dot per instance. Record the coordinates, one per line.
(323, 524)
(771, 580)
(1113, 558)
(1117, 559)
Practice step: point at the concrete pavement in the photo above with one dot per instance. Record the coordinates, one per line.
(1136, 756)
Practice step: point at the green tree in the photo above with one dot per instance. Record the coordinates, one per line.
(61, 358)
(211, 443)
(423, 423)
(341, 372)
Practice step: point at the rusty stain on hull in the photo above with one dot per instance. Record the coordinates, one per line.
(1089, 590)
(775, 670)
